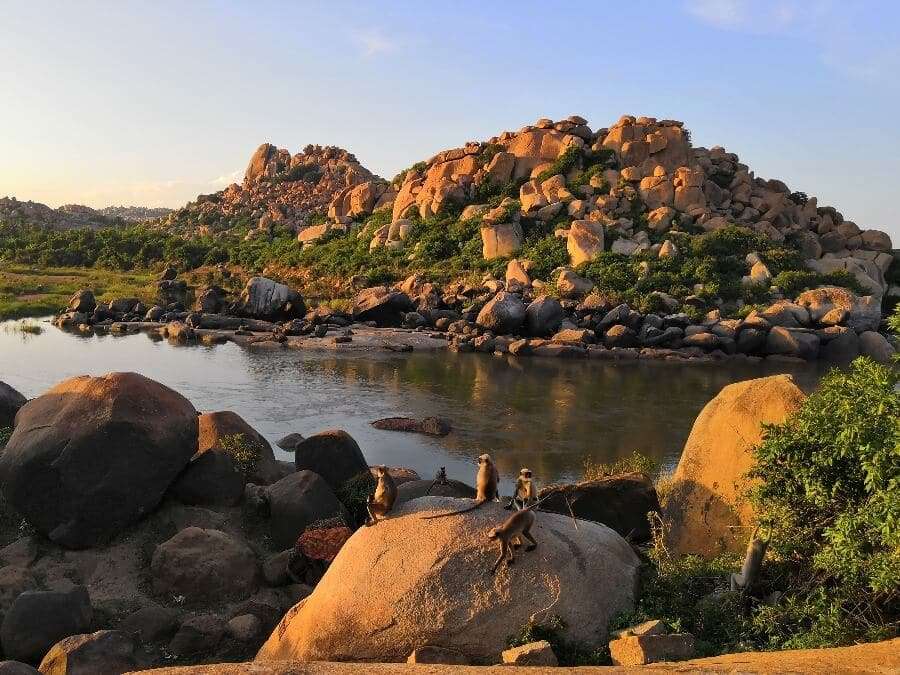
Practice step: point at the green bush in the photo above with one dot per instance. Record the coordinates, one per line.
(562, 164)
(5, 433)
(245, 451)
(829, 494)
(354, 495)
(567, 653)
(634, 463)
(546, 254)
(611, 272)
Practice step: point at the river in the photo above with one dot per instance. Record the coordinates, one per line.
(548, 414)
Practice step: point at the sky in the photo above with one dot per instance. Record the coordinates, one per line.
(152, 103)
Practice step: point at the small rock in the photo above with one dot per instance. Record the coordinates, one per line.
(106, 652)
(639, 650)
(150, 624)
(290, 442)
(198, 634)
(433, 654)
(244, 628)
(533, 654)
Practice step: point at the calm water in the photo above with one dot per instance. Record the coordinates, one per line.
(548, 414)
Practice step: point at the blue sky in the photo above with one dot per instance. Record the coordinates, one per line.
(153, 103)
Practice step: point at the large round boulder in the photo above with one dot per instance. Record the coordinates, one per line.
(225, 430)
(503, 314)
(204, 565)
(95, 454)
(382, 305)
(39, 619)
(296, 501)
(832, 304)
(706, 509)
(333, 454)
(106, 652)
(213, 478)
(544, 316)
(263, 298)
(621, 502)
(410, 582)
(10, 402)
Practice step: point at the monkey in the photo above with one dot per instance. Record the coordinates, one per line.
(486, 482)
(510, 534)
(526, 491)
(385, 496)
(440, 478)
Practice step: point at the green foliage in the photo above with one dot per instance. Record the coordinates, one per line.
(894, 320)
(5, 433)
(562, 164)
(310, 173)
(793, 282)
(690, 594)
(829, 493)
(355, 493)
(418, 167)
(244, 451)
(546, 253)
(567, 653)
(634, 463)
(611, 272)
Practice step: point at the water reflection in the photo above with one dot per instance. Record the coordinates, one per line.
(548, 414)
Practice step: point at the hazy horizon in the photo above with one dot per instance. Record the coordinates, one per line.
(151, 105)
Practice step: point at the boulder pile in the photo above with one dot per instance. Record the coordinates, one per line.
(286, 190)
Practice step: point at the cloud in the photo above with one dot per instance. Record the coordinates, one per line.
(760, 16)
(866, 50)
(227, 179)
(373, 42)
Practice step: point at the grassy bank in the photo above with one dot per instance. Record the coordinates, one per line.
(37, 291)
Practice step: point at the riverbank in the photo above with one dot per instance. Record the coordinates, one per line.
(29, 291)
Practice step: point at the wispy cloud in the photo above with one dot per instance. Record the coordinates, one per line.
(866, 53)
(759, 16)
(227, 179)
(373, 42)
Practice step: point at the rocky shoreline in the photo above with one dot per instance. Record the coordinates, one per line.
(154, 534)
(496, 317)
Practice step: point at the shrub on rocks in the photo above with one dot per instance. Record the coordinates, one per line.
(95, 454)
(39, 619)
(226, 432)
(203, 566)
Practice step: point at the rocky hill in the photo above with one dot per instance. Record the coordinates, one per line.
(638, 188)
(72, 216)
(281, 189)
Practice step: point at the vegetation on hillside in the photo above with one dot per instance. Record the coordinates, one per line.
(37, 291)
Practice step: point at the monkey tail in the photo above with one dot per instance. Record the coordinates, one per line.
(456, 513)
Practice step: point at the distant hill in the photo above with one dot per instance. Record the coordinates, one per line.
(134, 214)
(71, 216)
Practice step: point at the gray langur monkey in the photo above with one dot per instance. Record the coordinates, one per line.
(440, 478)
(526, 491)
(510, 533)
(385, 495)
(486, 487)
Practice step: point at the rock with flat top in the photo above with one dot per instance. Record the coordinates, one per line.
(538, 653)
(639, 650)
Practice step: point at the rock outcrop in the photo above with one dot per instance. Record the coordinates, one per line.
(410, 582)
(706, 510)
(95, 454)
(266, 299)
